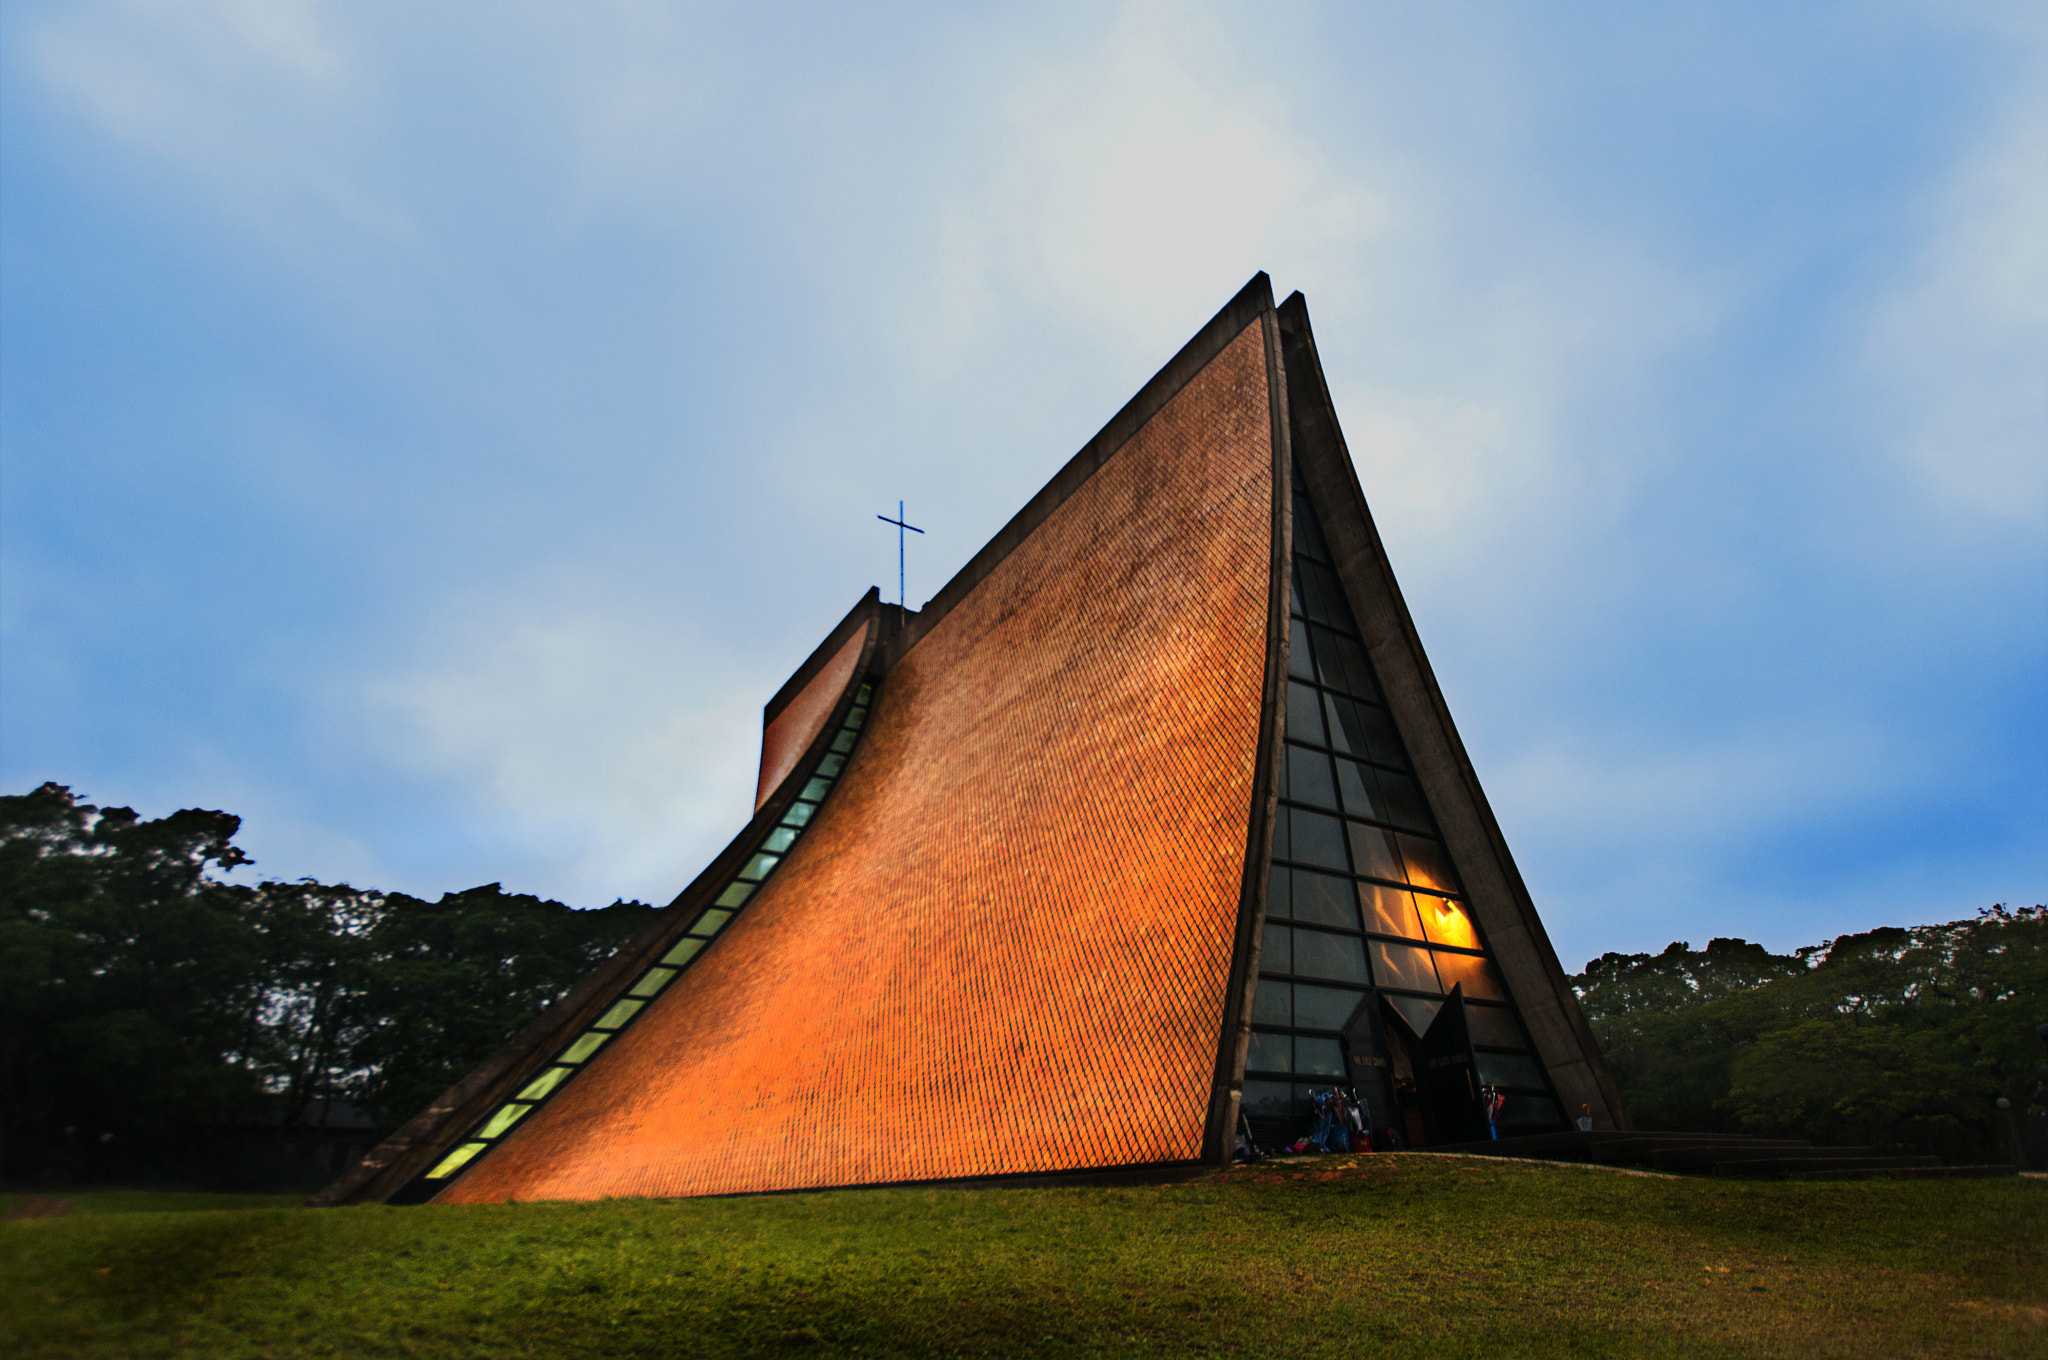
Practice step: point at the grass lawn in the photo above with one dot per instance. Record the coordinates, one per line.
(1385, 1256)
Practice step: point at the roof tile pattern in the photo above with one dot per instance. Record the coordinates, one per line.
(1004, 944)
(784, 740)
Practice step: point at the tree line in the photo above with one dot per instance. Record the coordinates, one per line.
(1905, 1039)
(147, 1005)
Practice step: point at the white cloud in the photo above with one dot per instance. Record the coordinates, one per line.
(1962, 348)
(603, 734)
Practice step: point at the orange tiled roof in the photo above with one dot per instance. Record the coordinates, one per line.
(784, 740)
(1004, 944)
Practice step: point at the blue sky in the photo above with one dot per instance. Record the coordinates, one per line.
(432, 432)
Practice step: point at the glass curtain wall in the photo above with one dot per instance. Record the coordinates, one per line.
(1367, 930)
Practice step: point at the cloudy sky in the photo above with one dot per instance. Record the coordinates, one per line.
(432, 431)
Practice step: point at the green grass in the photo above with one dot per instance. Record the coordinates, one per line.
(1391, 1256)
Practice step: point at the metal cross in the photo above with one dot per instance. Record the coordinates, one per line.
(900, 527)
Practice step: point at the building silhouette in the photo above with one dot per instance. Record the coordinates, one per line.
(1150, 825)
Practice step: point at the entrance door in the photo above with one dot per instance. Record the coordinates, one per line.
(1448, 1081)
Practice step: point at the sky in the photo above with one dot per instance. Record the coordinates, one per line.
(432, 432)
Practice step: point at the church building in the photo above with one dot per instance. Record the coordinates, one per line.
(1147, 828)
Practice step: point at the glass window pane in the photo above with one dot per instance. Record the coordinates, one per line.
(816, 790)
(1401, 801)
(455, 1161)
(1324, 900)
(831, 765)
(710, 923)
(1318, 1057)
(1272, 1005)
(863, 696)
(1304, 714)
(1270, 1053)
(619, 1014)
(586, 1045)
(735, 894)
(1530, 1110)
(1372, 850)
(1341, 957)
(843, 742)
(858, 716)
(780, 839)
(1308, 535)
(1355, 782)
(1266, 1099)
(799, 814)
(1416, 1013)
(1404, 966)
(1300, 664)
(1315, 839)
(759, 866)
(651, 981)
(1445, 921)
(1322, 596)
(1294, 593)
(504, 1119)
(685, 950)
(1341, 664)
(1276, 949)
(1474, 972)
(1308, 777)
(1347, 730)
(1509, 1069)
(1278, 902)
(1323, 1007)
(547, 1081)
(1428, 866)
(1494, 1025)
(1389, 911)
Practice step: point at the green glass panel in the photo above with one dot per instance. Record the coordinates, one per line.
(1340, 958)
(1273, 1004)
(1278, 902)
(831, 765)
(586, 1045)
(1323, 1007)
(1308, 777)
(844, 742)
(504, 1119)
(780, 839)
(799, 814)
(1301, 665)
(865, 692)
(1294, 593)
(1509, 1069)
(1304, 714)
(1355, 782)
(760, 866)
(1372, 850)
(1341, 663)
(685, 950)
(1276, 949)
(1494, 1026)
(710, 923)
(1403, 966)
(1315, 839)
(1308, 535)
(1268, 1099)
(651, 981)
(1321, 593)
(856, 718)
(1530, 1110)
(621, 1011)
(1318, 1057)
(1325, 900)
(1401, 801)
(1270, 1053)
(538, 1088)
(735, 895)
(455, 1161)
(816, 790)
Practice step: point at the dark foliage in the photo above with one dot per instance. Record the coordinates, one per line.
(1902, 1039)
(145, 1006)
